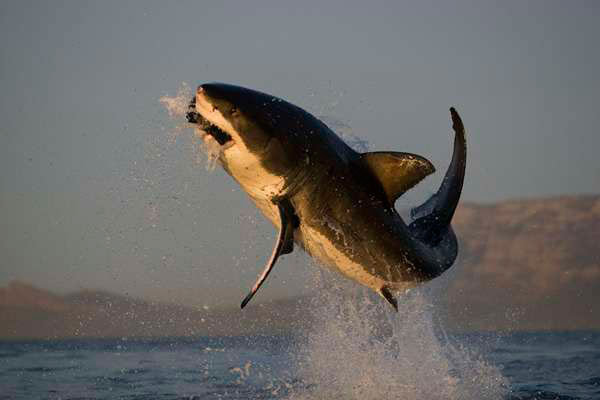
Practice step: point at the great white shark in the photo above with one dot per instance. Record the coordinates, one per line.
(334, 202)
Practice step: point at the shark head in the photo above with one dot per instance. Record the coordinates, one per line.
(229, 114)
(261, 138)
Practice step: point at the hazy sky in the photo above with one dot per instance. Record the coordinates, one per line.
(99, 189)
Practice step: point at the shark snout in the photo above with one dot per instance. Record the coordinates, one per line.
(213, 90)
(210, 92)
(201, 112)
(209, 97)
(223, 96)
(199, 102)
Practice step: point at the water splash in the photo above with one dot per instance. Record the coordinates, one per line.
(346, 132)
(177, 107)
(210, 147)
(357, 348)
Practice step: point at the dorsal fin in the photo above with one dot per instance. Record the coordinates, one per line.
(397, 172)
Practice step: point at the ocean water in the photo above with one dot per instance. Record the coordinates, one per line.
(352, 347)
(535, 366)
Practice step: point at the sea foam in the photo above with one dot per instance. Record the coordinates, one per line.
(356, 347)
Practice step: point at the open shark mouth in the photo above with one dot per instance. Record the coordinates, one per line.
(194, 117)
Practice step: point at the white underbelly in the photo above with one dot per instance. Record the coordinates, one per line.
(247, 170)
(324, 249)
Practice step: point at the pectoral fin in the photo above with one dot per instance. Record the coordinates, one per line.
(386, 294)
(284, 245)
(288, 237)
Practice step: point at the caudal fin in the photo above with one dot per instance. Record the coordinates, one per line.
(432, 219)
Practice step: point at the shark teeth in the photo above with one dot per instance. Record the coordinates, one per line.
(194, 117)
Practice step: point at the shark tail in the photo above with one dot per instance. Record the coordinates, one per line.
(431, 220)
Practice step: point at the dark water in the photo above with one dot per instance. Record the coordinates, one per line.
(534, 366)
